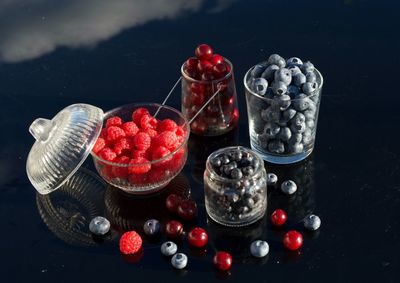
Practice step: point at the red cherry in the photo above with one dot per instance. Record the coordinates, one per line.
(216, 59)
(197, 99)
(193, 73)
(198, 126)
(191, 63)
(173, 229)
(172, 202)
(220, 70)
(293, 240)
(204, 52)
(197, 88)
(278, 217)
(228, 67)
(204, 66)
(222, 261)
(187, 209)
(207, 76)
(198, 237)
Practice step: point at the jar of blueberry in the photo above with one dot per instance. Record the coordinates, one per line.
(235, 186)
(283, 99)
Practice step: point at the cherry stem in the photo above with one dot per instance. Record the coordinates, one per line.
(167, 97)
(205, 104)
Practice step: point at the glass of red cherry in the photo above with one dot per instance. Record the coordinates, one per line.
(202, 76)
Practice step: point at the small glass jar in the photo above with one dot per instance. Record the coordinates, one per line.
(221, 114)
(235, 201)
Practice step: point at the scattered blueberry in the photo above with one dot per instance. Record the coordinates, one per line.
(99, 226)
(169, 248)
(152, 227)
(272, 179)
(179, 261)
(312, 222)
(289, 187)
(259, 248)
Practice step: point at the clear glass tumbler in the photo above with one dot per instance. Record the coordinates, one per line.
(283, 132)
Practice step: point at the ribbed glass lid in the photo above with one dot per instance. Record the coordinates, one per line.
(62, 144)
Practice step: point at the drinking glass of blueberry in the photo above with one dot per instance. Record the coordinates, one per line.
(283, 99)
(202, 76)
(235, 186)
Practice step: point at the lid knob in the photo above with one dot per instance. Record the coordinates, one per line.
(40, 129)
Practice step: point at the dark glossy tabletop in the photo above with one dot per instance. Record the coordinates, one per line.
(109, 53)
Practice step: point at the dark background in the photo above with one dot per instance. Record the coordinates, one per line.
(109, 53)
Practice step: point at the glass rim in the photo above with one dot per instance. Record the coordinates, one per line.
(316, 91)
(151, 162)
(227, 76)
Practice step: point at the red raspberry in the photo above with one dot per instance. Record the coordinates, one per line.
(107, 154)
(123, 145)
(130, 242)
(159, 153)
(180, 131)
(155, 175)
(106, 172)
(138, 153)
(121, 171)
(138, 113)
(139, 165)
(137, 179)
(178, 159)
(113, 121)
(166, 139)
(103, 134)
(148, 122)
(114, 133)
(167, 125)
(151, 132)
(99, 145)
(130, 129)
(142, 141)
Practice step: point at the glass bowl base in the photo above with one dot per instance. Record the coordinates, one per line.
(281, 159)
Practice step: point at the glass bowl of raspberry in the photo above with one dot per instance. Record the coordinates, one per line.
(142, 147)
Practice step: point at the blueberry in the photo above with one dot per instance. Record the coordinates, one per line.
(231, 196)
(237, 155)
(236, 173)
(276, 59)
(152, 227)
(301, 102)
(309, 114)
(307, 67)
(248, 171)
(299, 79)
(294, 61)
(295, 138)
(307, 137)
(260, 86)
(309, 88)
(276, 147)
(270, 115)
(99, 226)
(310, 123)
(294, 70)
(312, 222)
(295, 147)
(226, 169)
(284, 134)
(257, 70)
(298, 127)
(279, 87)
(311, 77)
(225, 159)
(282, 102)
(299, 118)
(259, 248)
(288, 114)
(169, 248)
(271, 129)
(283, 75)
(272, 179)
(216, 162)
(288, 187)
(269, 72)
(293, 90)
(179, 261)
(255, 163)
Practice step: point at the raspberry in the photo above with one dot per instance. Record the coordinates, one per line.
(130, 242)
(138, 153)
(155, 175)
(106, 172)
(123, 145)
(151, 132)
(137, 179)
(99, 145)
(121, 171)
(167, 125)
(107, 154)
(130, 129)
(178, 159)
(103, 134)
(167, 139)
(159, 153)
(138, 113)
(148, 121)
(139, 165)
(180, 131)
(114, 133)
(113, 121)
(142, 141)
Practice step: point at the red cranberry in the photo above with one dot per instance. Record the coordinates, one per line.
(198, 126)
(228, 67)
(172, 202)
(187, 209)
(216, 59)
(187, 102)
(204, 66)
(278, 217)
(207, 76)
(204, 52)
(197, 88)
(198, 237)
(193, 73)
(220, 70)
(173, 229)
(197, 99)
(191, 63)
(222, 261)
(293, 240)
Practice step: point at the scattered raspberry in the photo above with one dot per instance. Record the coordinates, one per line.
(167, 139)
(148, 122)
(130, 242)
(121, 171)
(139, 165)
(138, 153)
(138, 113)
(167, 125)
(107, 154)
(142, 141)
(114, 133)
(99, 145)
(130, 129)
(113, 121)
(123, 145)
(151, 132)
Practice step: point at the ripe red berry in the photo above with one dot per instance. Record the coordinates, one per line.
(114, 133)
(130, 242)
(138, 113)
(130, 129)
(148, 122)
(216, 59)
(187, 209)
(142, 141)
(198, 126)
(208, 76)
(204, 52)
(197, 88)
(204, 66)
(107, 154)
(293, 240)
(198, 237)
(99, 145)
(193, 73)
(167, 125)
(278, 217)
(123, 145)
(220, 70)
(120, 171)
(173, 229)
(166, 139)
(151, 132)
(222, 261)
(159, 153)
(172, 202)
(113, 121)
(139, 166)
(191, 63)
(138, 153)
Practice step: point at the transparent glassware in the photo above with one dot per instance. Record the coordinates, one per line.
(267, 118)
(162, 170)
(221, 114)
(235, 202)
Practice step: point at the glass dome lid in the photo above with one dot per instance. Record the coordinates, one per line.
(62, 145)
